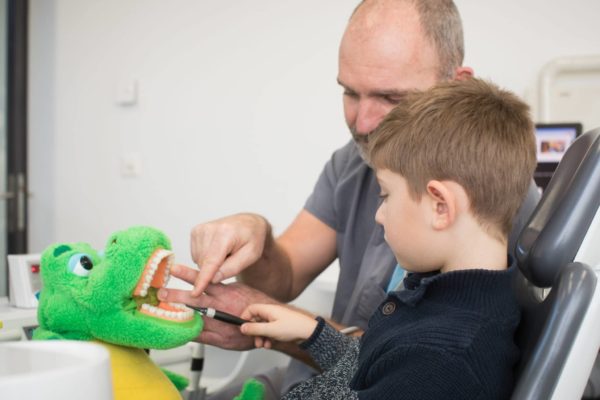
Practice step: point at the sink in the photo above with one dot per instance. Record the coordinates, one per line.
(54, 370)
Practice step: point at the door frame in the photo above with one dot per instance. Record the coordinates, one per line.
(16, 126)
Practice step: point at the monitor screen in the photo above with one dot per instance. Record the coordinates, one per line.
(552, 141)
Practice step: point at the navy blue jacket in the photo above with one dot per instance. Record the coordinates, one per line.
(447, 336)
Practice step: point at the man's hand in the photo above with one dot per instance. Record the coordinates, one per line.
(224, 247)
(233, 298)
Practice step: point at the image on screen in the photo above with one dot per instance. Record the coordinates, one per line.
(552, 141)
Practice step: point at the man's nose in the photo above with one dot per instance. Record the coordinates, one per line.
(368, 117)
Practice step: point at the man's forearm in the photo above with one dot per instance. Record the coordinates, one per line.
(272, 273)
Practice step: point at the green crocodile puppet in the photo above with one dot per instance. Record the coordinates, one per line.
(110, 297)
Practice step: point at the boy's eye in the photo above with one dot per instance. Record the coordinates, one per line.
(383, 196)
(80, 264)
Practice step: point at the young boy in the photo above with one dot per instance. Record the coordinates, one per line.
(454, 164)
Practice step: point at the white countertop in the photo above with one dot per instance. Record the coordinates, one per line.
(14, 319)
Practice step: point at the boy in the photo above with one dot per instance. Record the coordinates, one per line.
(454, 164)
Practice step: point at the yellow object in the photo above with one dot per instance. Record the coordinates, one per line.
(136, 376)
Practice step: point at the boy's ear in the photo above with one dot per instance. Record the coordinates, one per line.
(463, 73)
(443, 204)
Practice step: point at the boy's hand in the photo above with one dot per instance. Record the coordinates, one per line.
(276, 322)
(232, 298)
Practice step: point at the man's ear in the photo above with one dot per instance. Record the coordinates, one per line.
(463, 73)
(443, 204)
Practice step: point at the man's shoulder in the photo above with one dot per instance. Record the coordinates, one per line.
(349, 150)
(347, 154)
(347, 158)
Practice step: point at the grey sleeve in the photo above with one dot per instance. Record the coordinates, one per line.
(326, 345)
(321, 202)
(338, 355)
(522, 217)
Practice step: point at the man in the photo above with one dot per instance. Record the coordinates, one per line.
(388, 48)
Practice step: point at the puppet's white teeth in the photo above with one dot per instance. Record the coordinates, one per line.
(183, 315)
(179, 306)
(161, 254)
(152, 266)
(167, 274)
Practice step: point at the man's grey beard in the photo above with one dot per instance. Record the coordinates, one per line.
(362, 144)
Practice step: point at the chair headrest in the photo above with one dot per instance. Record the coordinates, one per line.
(558, 225)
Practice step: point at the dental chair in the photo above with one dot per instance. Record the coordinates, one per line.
(558, 254)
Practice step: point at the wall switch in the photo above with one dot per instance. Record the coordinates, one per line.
(131, 165)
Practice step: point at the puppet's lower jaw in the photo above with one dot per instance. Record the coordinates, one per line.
(170, 311)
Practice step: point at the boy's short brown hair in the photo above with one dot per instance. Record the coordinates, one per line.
(470, 132)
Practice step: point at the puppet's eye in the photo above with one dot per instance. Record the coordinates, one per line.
(81, 264)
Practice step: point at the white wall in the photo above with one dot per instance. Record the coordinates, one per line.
(237, 108)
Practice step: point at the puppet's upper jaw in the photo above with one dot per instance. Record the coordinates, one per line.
(155, 276)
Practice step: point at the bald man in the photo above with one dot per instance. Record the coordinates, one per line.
(388, 48)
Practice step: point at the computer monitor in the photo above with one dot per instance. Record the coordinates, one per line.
(552, 141)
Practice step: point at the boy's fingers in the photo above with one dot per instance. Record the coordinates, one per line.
(255, 329)
(260, 311)
(246, 314)
(254, 310)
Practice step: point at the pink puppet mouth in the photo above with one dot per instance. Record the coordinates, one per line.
(155, 276)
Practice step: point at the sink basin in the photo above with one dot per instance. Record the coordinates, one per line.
(54, 370)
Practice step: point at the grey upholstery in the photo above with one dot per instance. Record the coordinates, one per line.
(545, 253)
